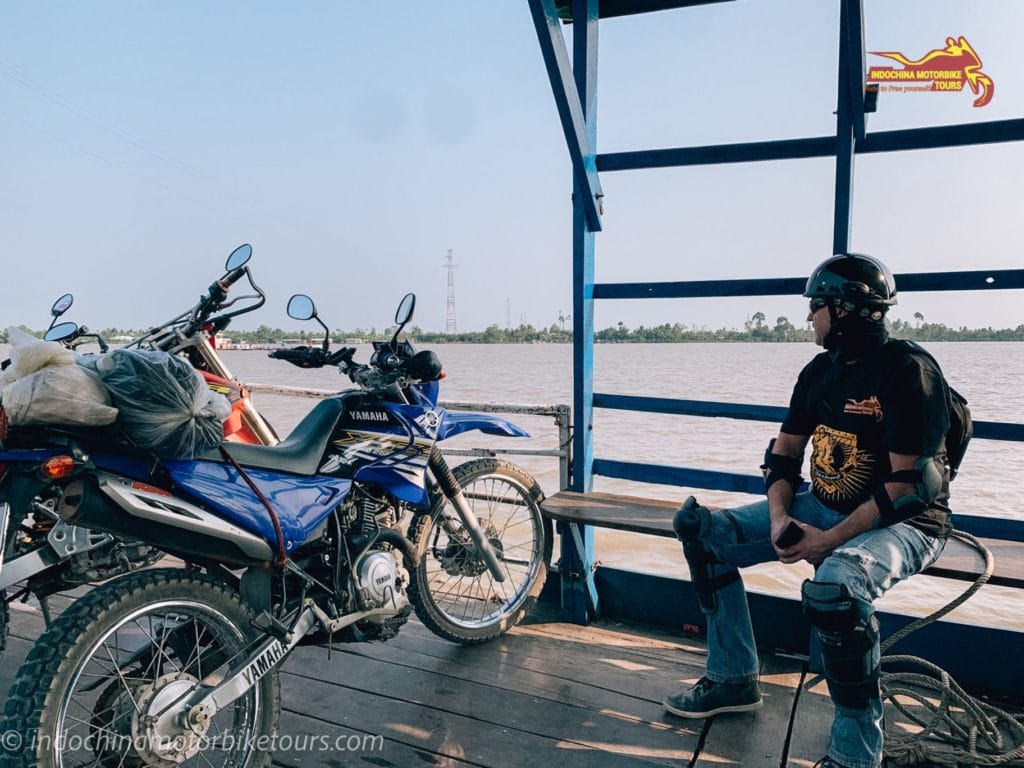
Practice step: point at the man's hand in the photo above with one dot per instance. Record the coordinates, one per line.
(814, 546)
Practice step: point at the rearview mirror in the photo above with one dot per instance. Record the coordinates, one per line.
(62, 305)
(61, 331)
(405, 309)
(238, 258)
(301, 307)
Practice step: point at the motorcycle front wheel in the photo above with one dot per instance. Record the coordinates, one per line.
(93, 688)
(452, 590)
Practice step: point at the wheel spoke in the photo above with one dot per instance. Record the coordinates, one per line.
(141, 663)
(453, 580)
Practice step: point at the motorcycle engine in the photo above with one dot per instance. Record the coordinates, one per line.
(381, 579)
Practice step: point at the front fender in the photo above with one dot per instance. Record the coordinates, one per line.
(456, 422)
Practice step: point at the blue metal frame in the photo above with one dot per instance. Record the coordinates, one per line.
(936, 137)
(575, 100)
(575, 107)
(575, 91)
(974, 280)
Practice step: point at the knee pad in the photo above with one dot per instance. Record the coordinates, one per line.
(691, 523)
(848, 641)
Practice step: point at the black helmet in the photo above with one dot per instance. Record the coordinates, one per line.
(854, 281)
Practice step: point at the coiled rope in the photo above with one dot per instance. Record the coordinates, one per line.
(957, 729)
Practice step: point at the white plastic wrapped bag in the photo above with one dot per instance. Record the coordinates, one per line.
(165, 406)
(44, 386)
(29, 354)
(58, 394)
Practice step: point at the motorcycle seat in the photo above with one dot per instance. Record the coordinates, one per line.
(299, 453)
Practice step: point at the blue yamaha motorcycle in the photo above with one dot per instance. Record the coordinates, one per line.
(298, 542)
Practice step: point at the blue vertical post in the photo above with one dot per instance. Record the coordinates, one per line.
(574, 86)
(579, 598)
(849, 116)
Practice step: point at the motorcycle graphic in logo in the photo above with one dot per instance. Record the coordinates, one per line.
(947, 69)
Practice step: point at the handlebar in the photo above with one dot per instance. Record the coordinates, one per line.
(84, 336)
(214, 300)
(386, 370)
(303, 357)
(314, 357)
(232, 277)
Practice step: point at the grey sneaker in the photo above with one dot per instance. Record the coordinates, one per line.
(707, 698)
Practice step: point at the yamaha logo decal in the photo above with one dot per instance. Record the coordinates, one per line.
(379, 416)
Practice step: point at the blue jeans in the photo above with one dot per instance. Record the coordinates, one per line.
(868, 564)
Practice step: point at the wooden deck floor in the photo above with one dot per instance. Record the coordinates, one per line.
(547, 694)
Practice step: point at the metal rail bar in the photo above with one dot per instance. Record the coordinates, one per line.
(571, 108)
(984, 430)
(938, 137)
(969, 280)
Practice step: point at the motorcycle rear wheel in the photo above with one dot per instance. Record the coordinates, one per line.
(453, 593)
(91, 688)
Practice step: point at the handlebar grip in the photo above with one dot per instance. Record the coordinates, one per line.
(232, 277)
(303, 357)
(343, 355)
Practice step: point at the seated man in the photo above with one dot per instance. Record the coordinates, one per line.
(876, 415)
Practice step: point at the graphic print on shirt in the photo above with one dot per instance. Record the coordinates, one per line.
(839, 471)
(869, 407)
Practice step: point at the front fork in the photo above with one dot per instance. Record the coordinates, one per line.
(453, 492)
(253, 419)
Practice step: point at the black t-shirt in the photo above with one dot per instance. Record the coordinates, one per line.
(856, 413)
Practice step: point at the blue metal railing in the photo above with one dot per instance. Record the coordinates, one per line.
(974, 280)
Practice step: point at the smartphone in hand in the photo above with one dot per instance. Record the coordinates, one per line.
(790, 535)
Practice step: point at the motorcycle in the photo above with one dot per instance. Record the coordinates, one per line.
(297, 542)
(44, 554)
(40, 551)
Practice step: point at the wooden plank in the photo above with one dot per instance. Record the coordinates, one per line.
(552, 708)
(758, 738)
(654, 517)
(557, 642)
(484, 730)
(812, 721)
(962, 561)
(307, 741)
(599, 677)
(606, 510)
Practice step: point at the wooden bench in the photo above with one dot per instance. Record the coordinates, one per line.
(653, 517)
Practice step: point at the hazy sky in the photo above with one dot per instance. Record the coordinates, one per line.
(353, 143)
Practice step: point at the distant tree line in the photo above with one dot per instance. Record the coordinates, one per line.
(756, 328)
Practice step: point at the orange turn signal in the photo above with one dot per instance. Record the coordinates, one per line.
(56, 467)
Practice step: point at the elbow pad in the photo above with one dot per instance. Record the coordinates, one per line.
(927, 479)
(778, 467)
